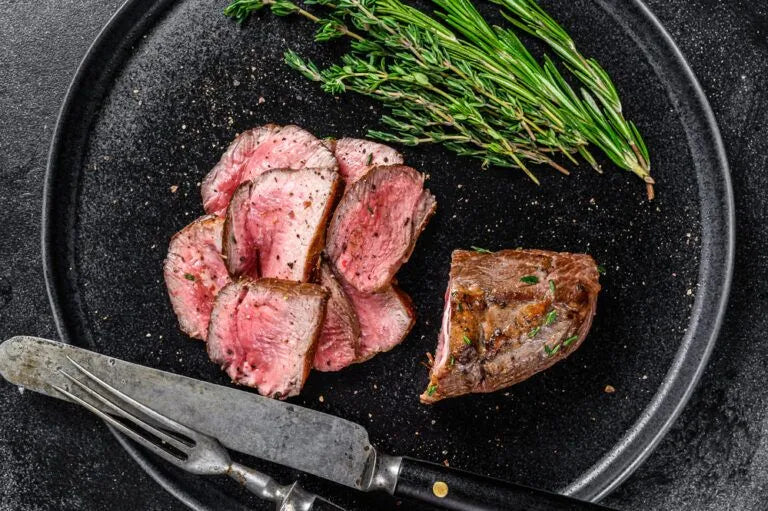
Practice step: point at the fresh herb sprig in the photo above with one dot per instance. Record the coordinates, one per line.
(453, 79)
(620, 139)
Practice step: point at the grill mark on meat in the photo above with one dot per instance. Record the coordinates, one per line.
(505, 318)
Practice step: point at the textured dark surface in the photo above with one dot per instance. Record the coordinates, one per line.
(53, 456)
(113, 210)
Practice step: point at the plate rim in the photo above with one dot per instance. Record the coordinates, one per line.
(675, 390)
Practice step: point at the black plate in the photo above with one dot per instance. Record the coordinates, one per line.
(168, 84)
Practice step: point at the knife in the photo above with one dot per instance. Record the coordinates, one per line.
(300, 438)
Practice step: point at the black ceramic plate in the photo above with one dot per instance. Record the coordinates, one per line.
(167, 85)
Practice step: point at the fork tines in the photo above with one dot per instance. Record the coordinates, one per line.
(174, 448)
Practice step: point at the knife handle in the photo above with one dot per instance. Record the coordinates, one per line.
(449, 488)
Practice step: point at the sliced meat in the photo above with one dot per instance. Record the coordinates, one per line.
(194, 272)
(340, 337)
(385, 317)
(263, 333)
(509, 315)
(256, 151)
(356, 157)
(376, 224)
(275, 225)
(240, 256)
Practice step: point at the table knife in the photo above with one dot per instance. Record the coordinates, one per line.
(301, 438)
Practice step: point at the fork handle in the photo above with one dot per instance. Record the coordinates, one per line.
(299, 499)
(320, 504)
(286, 498)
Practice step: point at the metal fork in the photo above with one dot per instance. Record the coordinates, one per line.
(190, 450)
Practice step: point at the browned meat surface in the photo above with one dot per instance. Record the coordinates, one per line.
(340, 337)
(385, 317)
(509, 315)
(356, 156)
(194, 272)
(375, 226)
(275, 225)
(256, 151)
(263, 333)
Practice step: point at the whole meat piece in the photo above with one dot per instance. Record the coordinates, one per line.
(356, 156)
(195, 272)
(386, 317)
(263, 333)
(376, 224)
(256, 151)
(340, 336)
(275, 225)
(509, 315)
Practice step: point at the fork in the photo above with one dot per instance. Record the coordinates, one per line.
(186, 448)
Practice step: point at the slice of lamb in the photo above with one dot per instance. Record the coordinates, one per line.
(356, 157)
(263, 333)
(375, 226)
(275, 225)
(256, 151)
(340, 337)
(194, 272)
(385, 317)
(509, 315)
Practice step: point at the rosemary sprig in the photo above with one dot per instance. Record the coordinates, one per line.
(531, 18)
(451, 78)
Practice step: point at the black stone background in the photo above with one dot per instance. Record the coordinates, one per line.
(714, 458)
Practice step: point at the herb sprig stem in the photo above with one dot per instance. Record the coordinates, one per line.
(452, 78)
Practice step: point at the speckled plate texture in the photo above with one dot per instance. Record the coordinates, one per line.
(166, 87)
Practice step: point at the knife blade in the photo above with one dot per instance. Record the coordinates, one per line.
(301, 438)
(290, 435)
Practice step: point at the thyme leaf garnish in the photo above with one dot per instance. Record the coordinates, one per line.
(551, 351)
